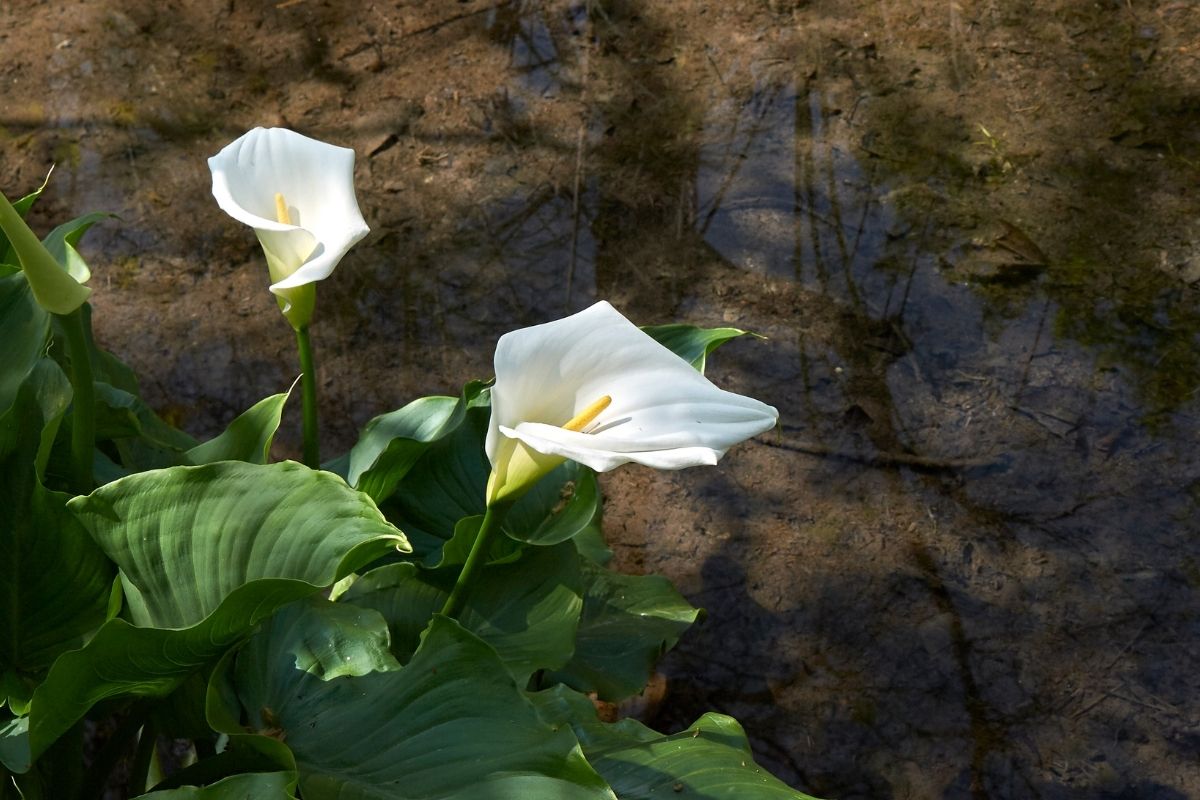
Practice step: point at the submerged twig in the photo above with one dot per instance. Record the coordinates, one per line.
(879, 459)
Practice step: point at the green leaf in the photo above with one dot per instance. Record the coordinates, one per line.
(121, 414)
(186, 537)
(107, 368)
(56, 582)
(501, 549)
(448, 483)
(628, 622)
(54, 289)
(205, 554)
(24, 330)
(390, 444)
(332, 640)
(250, 786)
(14, 745)
(711, 760)
(248, 438)
(693, 344)
(451, 725)
(563, 505)
(22, 206)
(62, 240)
(527, 611)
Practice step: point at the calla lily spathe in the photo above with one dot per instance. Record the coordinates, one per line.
(621, 396)
(298, 195)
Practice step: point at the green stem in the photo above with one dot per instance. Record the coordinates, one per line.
(308, 388)
(139, 773)
(83, 417)
(475, 559)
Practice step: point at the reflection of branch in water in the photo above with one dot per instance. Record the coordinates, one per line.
(433, 26)
(880, 459)
(742, 157)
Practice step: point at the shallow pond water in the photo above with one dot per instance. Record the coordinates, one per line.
(967, 564)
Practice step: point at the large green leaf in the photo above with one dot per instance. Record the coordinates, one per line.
(55, 581)
(527, 610)
(250, 786)
(205, 553)
(693, 344)
(711, 760)
(248, 438)
(390, 444)
(451, 725)
(628, 622)
(187, 537)
(24, 331)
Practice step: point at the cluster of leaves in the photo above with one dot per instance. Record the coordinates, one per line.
(284, 620)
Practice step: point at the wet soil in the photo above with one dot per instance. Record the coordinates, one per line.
(967, 565)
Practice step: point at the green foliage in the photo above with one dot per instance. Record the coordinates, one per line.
(332, 640)
(628, 622)
(693, 344)
(711, 760)
(55, 581)
(186, 538)
(62, 240)
(247, 786)
(392, 443)
(248, 438)
(205, 554)
(447, 486)
(527, 610)
(451, 725)
(24, 329)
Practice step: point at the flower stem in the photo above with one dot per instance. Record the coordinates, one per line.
(308, 388)
(83, 416)
(475, 559)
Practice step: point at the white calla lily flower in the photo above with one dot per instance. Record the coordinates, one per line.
(594, 388)
(298, 195)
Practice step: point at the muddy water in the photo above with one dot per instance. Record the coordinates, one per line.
(967, 564)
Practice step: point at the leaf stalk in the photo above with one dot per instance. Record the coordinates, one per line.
(308, 390)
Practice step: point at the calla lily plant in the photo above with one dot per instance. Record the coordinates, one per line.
(596, 389)
(298, 195)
